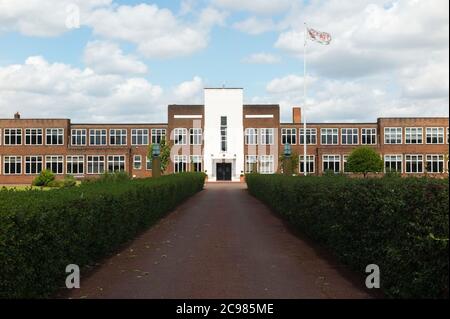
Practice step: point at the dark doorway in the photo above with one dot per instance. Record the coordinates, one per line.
(223, 171)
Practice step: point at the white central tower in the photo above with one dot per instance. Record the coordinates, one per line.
(224, 133)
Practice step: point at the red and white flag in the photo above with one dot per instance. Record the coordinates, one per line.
(321, 37)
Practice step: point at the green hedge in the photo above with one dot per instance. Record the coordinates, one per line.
(41, 232)
(400, 224)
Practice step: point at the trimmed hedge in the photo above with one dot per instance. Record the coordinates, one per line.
(41, 232)
(400, 224)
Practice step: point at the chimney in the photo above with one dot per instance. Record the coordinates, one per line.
(296, 115)
(17, 116)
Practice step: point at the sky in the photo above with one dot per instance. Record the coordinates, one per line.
(125, 61)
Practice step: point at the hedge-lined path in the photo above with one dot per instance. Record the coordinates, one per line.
(221, 243)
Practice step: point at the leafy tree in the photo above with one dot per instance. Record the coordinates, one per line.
(44, 178)
(364, 160)
(164, 155)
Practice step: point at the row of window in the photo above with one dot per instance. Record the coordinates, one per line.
(414, 135)
(74, 164)
(79, 137)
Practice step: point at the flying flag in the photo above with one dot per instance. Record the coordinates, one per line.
(321, 37)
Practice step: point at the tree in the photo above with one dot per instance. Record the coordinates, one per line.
(164, 155)
(364, 160)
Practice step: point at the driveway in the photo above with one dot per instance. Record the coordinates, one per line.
(221, 243)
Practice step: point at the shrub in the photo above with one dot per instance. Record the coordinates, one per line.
(42, 232)
(364, 160)
(402, 225)
(44, 178)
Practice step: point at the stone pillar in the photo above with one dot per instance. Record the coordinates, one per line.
(287, 166)
(156, 166)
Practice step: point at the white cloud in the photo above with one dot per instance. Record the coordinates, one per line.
(107, 58)
(43, 17)
(288, 83)
(189, 91)
(255, 6)
(262, 58)
(155, 31)
(254, 26)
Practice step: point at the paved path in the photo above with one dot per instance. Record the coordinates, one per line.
(222, 243)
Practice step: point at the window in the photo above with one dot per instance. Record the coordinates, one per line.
(75, 164)
(54, 136)
(180, 136)
(180, 163)
(97, 137)
(251, 164)
(33, 136)
(435, 135)
(331, 163)
(266, 165)
(251, 136)
(223, 134)
(157, 135)
(117, 137)
(139, 136)
(195, 136)
(393, 163)
(311, 136)
(267, 136)
(137, 161)
(55, 163)
(96, 164)
(329, 136)
(413, 135)
(78, 137)
(12, 165)
(196, 162)
(149, 163)
(414, 163)
(392, 135)
(435, 163)
(310, 164)
(349, 136)
(288, 136)
(33, 165)
(116, 163)
(13, 136)
(368, 136)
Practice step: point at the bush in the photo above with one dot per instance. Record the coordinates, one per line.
(44, 178)
(364, 160)
(42, 232)
(402, 225)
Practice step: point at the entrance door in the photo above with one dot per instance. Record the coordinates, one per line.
(223, 171)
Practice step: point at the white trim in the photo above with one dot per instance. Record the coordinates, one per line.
(185, 116)
(259, 116)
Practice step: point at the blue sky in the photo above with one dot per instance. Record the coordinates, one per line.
(167, 51)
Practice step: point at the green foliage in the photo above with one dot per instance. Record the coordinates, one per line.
(364, 160)
(42, 232)
(400, 224)
(164, 154)
(44, 178)
(114, 177)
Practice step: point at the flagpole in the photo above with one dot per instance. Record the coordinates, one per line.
(304, 104)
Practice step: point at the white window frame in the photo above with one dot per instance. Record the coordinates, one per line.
(137, 162)
(158, 134)
(310, 133)
(251, 159)
(102, 136)
(39, 160)
(30, 132)
(333, 133)
(331, 158)
(180, 159)
(196, 159)
(139, 136)
(114, 160)
(59, 135)
(435, 158)
(414, 134)
(368, 133)
(397, 158)
(51, 160)
(289, 132)
(180, 132)
(18, 133)
(351, 133)
(118, 137)
(414, 158)
(17, 163)
(310, 159)
(78, 133)
(266, 164)
(267, 136)
(75, 161)
(97, 163)
(396, 131)
(195, 136)
(251, 136)
(435, 132)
